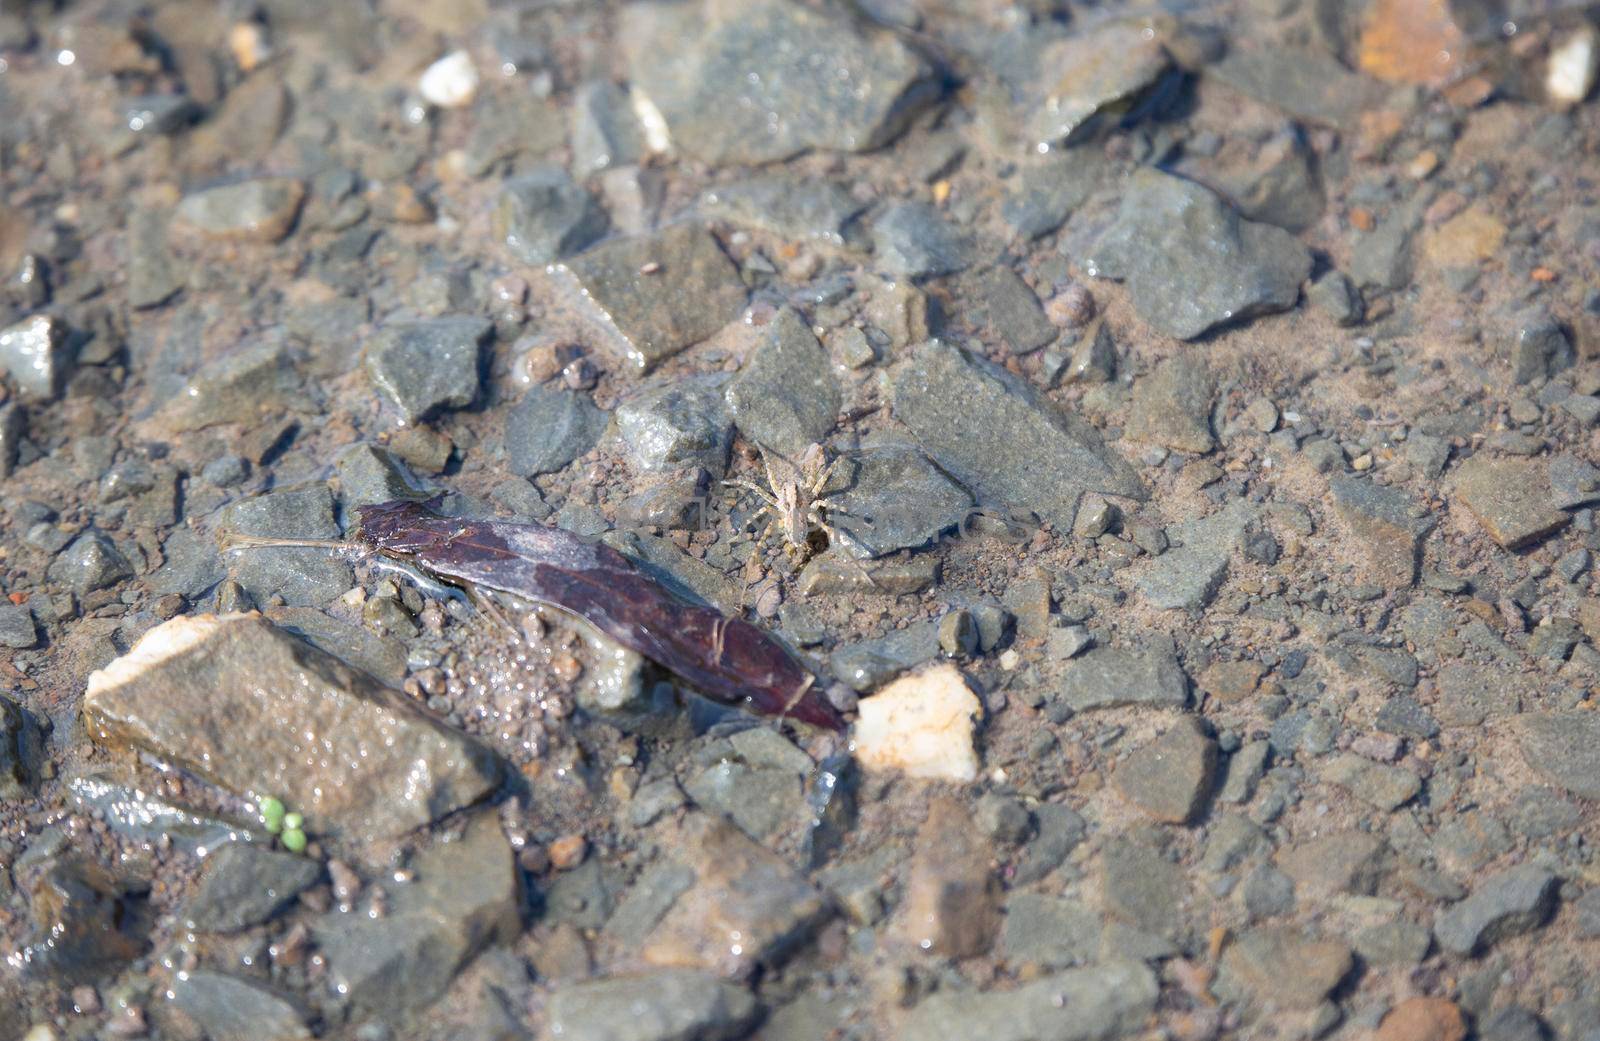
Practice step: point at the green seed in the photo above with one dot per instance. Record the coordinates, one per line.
(272, 813)
(293, 839)
(293, 821)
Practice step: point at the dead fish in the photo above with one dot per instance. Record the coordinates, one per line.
(729, 660)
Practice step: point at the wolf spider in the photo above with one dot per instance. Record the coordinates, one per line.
(794, 498)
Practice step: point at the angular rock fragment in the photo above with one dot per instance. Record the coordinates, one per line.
(1378, 784)
(998, 437)
(231, 1009)
(682, 423)
(666, 1005)
(659, 293)
(466, 894)
(244, 885)
(743, 894)
(1283, 967)
(1307, 84)
(800, 208)
(1510, 498)
(1564, 748)
(13, 427)
(1111, 677)
(1170, 778)
(890, 497)
(605, 132)
(237, 388)
(1191, 262)
(544, 215)
(913, 240)
(1098, 1003)
(763, 81)
(922, 726)
(998, 303)
(244, 705)
(1501, 906)
(262, 210)
(549, 428)
(786, 397)
(92, 561)
(951, 905)
(422, 367)
(1387, 534)
(1172, 407)
(33, 356)
(1088, 73)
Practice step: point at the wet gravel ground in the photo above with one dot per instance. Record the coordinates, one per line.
(1182, 421)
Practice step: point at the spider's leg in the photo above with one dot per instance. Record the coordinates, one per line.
(761, 493)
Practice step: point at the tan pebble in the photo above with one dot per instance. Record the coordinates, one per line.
(567, 852)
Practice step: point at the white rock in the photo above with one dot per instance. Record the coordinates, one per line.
(450, 82)
(1570, 75)
(921, 725)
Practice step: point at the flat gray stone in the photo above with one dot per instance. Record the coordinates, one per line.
(1170, 778)
(248, 707)
(17, 629)
(422, 367)
(236, 388)
(1510, 498)
(682, 423)
(665, 1005)
(1382, 258)
(802, 208)
(604, 131)
(1564, 749)
(1501, 906)
(997, 303)
(467, 893)
(1049, 932)
(1386, 534)
(869, 664)
(1171, 407)
(13, 428)
(1377, 784)
(1283, 967)
(786, 398)
(1191, 262)
(756, 82)
(1091, 1004)
(1001, 439)
(1187, 576)
(33, 356)
(658, 293)
(1046, 193)
(549, 428)
(1112, 677)
(890, 498)
(231, 1009)
(543, 215)
(914, 240)
(243, 884)
(1307, 84)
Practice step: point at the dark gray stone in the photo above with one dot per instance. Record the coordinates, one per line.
(231, 1009)
(997, 303)
(1091, 1004)
(549, 428)
(868, 664)
(13, 428)
(1010, 446)
(803, 208)
(154, 274)
(244, 885)
(756, 82)
(658, 293)
(1335, 295)
(1308, 84)
(1172, 407)
(662, 1005)
(1048, 192)
(1049, 932)
(236, 388)
(1191, 262)
(1111, 677)
(759, 800)
(1381, 258)
(1564, 749)
(1539, 348)
(422, 367)
(786, 398)
(605, 133)
(91, 561)
(914, 240)
(890, 497)
(1188, 576)
(17, 629)
(683, 423)
(544, 215)
(1501, 906)
(369, 473)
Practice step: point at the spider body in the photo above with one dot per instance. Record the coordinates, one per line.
(795, 499)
